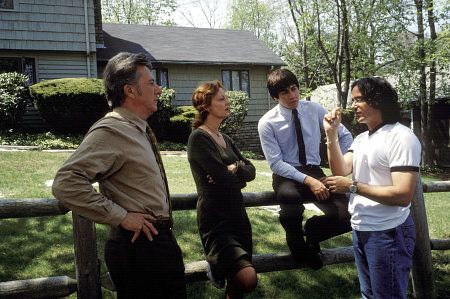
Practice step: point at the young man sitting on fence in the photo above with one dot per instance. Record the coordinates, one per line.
(384, 163)
(120, 152)
(290, 136)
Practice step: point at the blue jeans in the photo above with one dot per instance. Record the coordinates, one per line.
(384, 259)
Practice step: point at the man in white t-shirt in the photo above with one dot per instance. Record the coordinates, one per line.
(384, 162)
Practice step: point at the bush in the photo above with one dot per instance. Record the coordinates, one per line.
(14, 98)
(70, 105)
(41, 140)
(181, 124)
(238, 109)
(160, 120)
(181, 121)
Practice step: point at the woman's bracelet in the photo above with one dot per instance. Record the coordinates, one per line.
(330, 142)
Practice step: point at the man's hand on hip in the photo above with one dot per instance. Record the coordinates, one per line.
(139, 222)
(317, 188)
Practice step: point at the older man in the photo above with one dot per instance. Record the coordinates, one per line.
(120, 152)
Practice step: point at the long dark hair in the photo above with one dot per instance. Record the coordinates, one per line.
(379, 94)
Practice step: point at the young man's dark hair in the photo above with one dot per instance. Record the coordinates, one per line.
(280, 80)
(379, 94)
(121, 70)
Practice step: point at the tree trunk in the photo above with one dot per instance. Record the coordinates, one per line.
(301, 35)
(346, 46)
(431, 23)
(422, 82)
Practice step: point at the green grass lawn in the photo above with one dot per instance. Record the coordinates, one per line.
(39, 247)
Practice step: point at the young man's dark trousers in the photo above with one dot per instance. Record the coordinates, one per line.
(291, 195)
(145, 269)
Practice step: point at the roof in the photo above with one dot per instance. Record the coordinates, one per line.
(172, 44)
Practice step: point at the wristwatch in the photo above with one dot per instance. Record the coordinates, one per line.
(353, 187)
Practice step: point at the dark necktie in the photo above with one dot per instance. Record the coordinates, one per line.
(300, 142)
(155, 148)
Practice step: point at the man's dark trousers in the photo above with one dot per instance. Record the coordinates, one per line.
(291, 195)
(145, 269)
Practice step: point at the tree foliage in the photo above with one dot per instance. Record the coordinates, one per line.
(148, 12)
(210, 12)
(256, 16)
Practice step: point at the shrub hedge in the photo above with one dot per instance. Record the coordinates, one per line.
(160, 120)
(238, 112)
(181, 121)
(181, 124)
(14, 98)
(70, 105)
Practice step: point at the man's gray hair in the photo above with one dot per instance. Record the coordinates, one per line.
(120, 70)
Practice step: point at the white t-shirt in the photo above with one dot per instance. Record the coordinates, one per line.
(390, 148)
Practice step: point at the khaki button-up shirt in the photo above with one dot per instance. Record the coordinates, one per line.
(118, 154)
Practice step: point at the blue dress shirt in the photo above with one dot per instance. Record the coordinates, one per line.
(278, 138)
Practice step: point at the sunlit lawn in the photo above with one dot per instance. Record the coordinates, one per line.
(39, 247)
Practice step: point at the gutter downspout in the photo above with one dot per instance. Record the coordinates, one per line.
(86, 32)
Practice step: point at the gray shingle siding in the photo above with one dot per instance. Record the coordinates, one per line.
(64, 65)
(185, 78)
(47, 25)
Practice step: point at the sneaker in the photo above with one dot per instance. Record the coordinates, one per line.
(216, 282)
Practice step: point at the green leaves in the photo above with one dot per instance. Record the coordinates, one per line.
(70, 105)
(13, 98)
(238, 109)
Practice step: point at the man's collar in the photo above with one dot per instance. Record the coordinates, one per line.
(376, 128)
(131, 117)
(286, 112)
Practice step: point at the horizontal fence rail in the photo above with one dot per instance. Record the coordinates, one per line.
(86, 255)
(35, 207)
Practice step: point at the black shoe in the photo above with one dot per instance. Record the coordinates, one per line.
(313, 257)
(215, 281)
(309, 255)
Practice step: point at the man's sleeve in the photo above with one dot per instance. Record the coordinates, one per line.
(91, 162)
(404, 153)
(345, 138)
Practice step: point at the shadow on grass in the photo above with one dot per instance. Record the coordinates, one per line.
(36, 247)
(39, 247)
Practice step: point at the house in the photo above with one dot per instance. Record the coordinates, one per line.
(64, 39)
(49, 39)
(183, 57)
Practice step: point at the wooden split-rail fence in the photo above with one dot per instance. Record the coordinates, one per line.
(88, 282)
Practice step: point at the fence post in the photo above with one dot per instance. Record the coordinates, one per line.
(86, 260)
(422, 267)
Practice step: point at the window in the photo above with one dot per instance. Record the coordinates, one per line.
(23, 65)
(161, 76)
(6, 4)
(236, 80)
